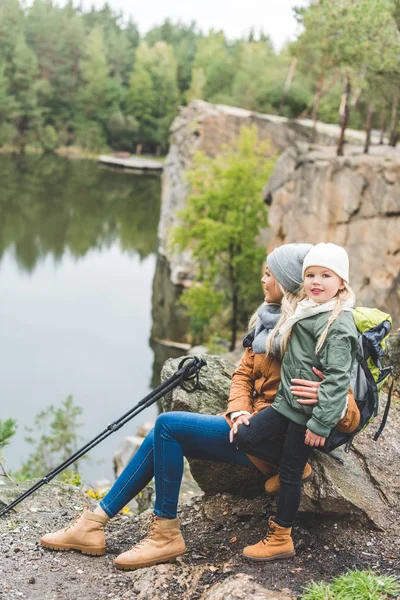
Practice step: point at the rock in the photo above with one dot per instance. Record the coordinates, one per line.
(241, 587)
(393, 358)
(366, 486)
(354, 201)
(152, 582)
(46, 499)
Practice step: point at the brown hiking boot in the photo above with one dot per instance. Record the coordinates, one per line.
(163, 543)
(85, 533)
(273, 485)
(277, 544)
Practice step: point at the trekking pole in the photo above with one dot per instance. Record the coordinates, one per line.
(186, 372)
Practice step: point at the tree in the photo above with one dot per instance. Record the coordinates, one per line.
(153, 94)
(94, 97)
(8, 429)
(58, 440)
(27, 114)
(220, 224)
(195, 92)
(366, 43)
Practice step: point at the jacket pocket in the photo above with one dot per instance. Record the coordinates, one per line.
(302, 408)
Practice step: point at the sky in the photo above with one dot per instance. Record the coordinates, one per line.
(274, 17)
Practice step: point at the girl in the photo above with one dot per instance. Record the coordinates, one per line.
(323, 334)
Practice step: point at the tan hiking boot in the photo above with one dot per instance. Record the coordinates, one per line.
(164, 542)
(277, 544)
(85, 533)
(273, 485)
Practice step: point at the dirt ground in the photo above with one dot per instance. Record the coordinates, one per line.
(215, 531)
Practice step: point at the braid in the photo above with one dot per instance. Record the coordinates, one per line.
(345, 294)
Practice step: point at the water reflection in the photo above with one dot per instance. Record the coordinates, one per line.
(49, 204)
(77, 259)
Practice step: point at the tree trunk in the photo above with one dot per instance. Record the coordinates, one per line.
(330, 85)
(288, 83)
(138, 149)
(368, 126)
(382, 127)
(344, 113)
(158, 150)
(317, 99)
(394, 119)
(235, 299)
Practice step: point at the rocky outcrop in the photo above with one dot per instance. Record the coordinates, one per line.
(354, 201)
(207, 127)
(362, 483)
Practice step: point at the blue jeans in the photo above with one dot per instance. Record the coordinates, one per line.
(175, 435)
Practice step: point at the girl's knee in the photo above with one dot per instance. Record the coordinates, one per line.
(241, 438)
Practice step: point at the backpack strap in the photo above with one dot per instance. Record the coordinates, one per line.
(386, 411)
(249, 338)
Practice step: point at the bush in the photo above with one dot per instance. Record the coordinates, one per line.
(48, 138)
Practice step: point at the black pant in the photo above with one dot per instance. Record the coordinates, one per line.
(257, 440)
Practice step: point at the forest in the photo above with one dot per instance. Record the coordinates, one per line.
(70, 77)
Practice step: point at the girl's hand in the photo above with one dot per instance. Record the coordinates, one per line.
(312, 439)
(241, 420)
(307, 390)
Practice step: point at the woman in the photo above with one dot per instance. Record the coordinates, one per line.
(207, 437)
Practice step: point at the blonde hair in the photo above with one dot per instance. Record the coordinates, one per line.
(345, 294)
(289, 304)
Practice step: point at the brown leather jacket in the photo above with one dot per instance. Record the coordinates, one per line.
(254, 385)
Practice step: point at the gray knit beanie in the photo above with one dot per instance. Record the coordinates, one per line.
(286, 264)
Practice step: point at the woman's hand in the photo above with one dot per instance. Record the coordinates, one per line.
(306, 390)
(312, 439)
(241, 420)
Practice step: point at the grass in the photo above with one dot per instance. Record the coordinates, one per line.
(354, 585)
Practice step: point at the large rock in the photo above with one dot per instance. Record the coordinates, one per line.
(241, 587)
(353, 200)
(362, 483)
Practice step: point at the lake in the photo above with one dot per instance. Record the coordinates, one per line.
(78, 246)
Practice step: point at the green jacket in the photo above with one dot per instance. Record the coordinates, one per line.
(335, 360)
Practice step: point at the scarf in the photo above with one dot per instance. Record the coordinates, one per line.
(267, 317)
(308, 308)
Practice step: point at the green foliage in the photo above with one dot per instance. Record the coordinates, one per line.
(66, 68)
(48, 138)
(8, 428)
(354, 585)
(220, 225)
(58, 439)
(72, 478)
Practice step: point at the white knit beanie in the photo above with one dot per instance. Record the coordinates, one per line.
(331, 257)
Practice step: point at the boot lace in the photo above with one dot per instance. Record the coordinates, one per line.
(76, 518)
(269, 534)
(148, 527)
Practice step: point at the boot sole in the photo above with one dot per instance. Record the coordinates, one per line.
(276, 557)
(149, 563)
(277, 491)
(91, 551)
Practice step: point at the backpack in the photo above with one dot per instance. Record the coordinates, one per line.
(368, 374)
